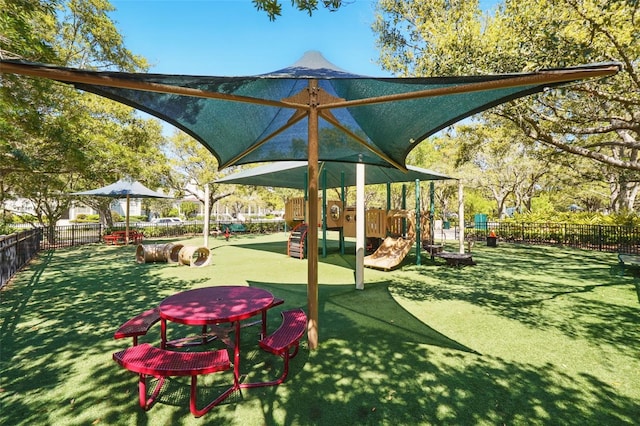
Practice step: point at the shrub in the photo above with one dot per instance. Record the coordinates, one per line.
(6, 229)
(85, 218)
(116, 217)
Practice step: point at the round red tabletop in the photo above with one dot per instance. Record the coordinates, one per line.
(210, 305)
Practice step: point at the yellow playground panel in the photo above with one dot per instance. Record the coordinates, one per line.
(295, 210)
(374, 223)
(379, 223)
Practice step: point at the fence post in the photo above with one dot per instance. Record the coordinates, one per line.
(600, 237)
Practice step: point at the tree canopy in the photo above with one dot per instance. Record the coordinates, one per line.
(598, 120)
(54, 139)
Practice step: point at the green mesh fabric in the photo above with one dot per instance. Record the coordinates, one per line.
(293, 174)
(236, 132)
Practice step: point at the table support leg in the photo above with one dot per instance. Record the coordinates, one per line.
(193, 404)
(205, 338)
(163, 333)
(236, 379)
(263, 332)
(236, 356)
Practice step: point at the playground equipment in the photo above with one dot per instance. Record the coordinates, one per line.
(295, 212)
(173, 253)
(296, 246)
(158, 253)
(391, 234)
(336, 218)
(194, 256)
(397, 245)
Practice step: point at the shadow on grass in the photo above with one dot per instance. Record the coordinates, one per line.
(359, 315)
(65, 316)
(546, 288)
(333, 254)
(376, 364)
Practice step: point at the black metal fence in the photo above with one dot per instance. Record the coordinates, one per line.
(71, 235)
(611, 238)
(79, 234)
(16, 250)
(155, 230)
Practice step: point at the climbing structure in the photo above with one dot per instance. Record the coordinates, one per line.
(297, 239)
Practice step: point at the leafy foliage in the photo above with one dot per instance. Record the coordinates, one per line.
(55, 139)
(273, 8)
(597, 120)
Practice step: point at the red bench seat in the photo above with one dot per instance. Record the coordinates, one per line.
(138, 325)
(147, 360)
(284, 342)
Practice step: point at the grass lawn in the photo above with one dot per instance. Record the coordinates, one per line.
(530, 335)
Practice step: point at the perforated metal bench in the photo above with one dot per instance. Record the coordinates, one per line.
(138, 325)
(284, 342)
(112, 239)
(147, 360)
(119, 237)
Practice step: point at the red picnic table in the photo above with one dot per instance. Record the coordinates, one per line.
(211, 306)
(120, 237)
(208, 307)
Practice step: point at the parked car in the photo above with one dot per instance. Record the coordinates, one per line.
(166, 221)
(227, 218)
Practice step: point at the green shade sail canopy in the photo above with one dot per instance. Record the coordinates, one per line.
(293, 174)
(263, 118)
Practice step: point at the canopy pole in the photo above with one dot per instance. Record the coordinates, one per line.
(126, 231)
(404, 207)
(312, 232)
(360, 226)
(343, 198)
(432, 211)
(205, 227)
(418, 229)
(461, 216)
(324, 213)
(388, 196)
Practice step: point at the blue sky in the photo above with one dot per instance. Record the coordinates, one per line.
(230, 37)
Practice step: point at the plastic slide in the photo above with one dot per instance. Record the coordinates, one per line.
(394, 248)
(390, 253)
